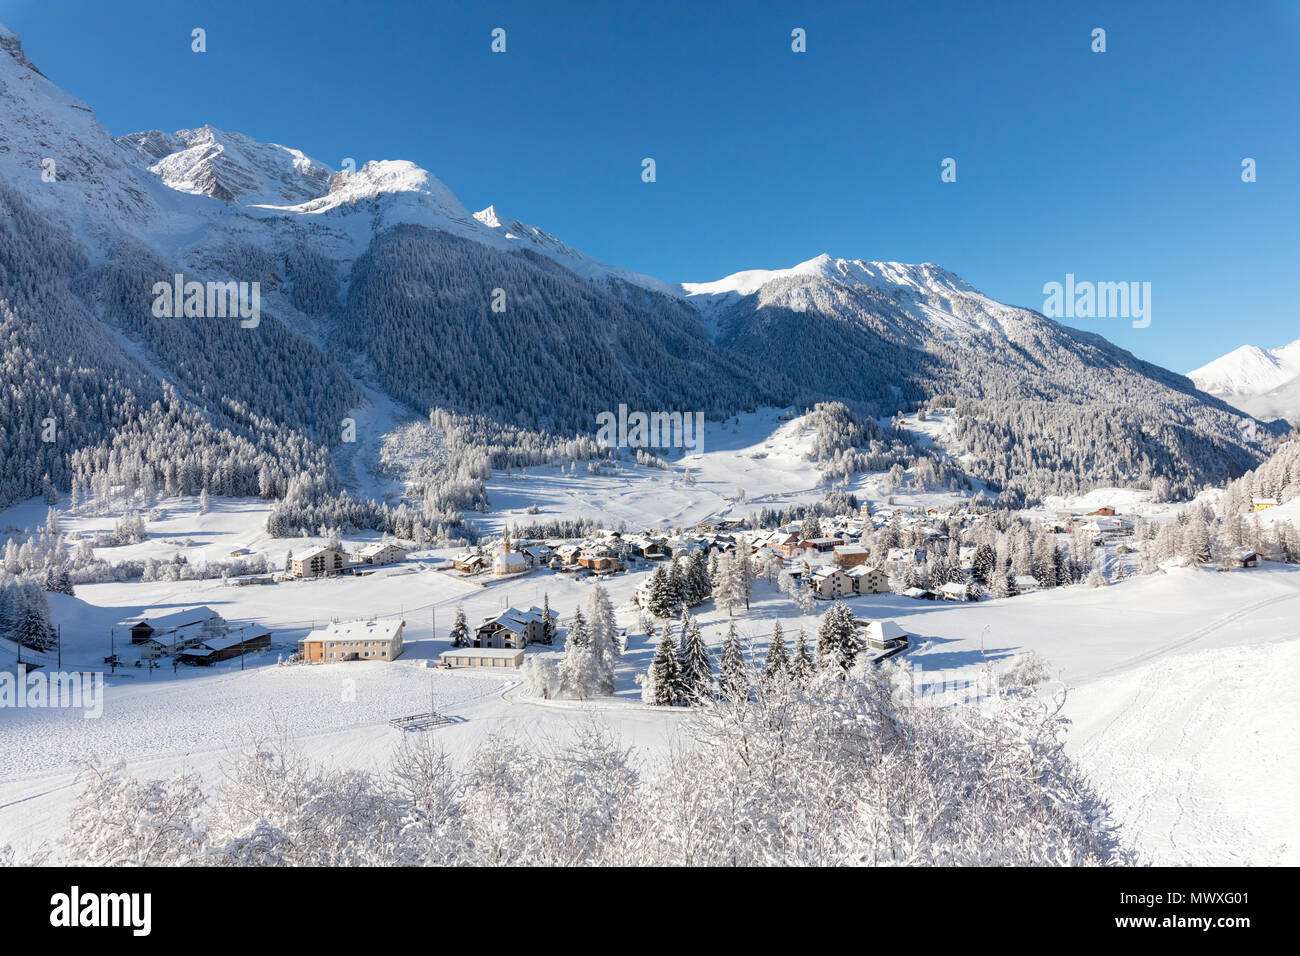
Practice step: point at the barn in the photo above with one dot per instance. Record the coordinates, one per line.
(224, 648)
(483, 657)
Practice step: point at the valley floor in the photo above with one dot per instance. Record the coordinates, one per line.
(1183, 695)
(1184, 687)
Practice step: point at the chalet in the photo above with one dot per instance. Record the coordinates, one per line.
(567, 554)
(511, 628)
(868, 580)
(317, 561)
(600, 558)
(1026, 582)
(216, 649)
(920, 594)
(380, 553)
(1246, 559)
(821, 545)
(1105, 511)
(470, 562)
(830, 582)
(483, 657)
(851, 555)
(952, 591)
(882, 635)
(786, 543)
(376, 640)
(192, 618)
(650, 548)
(905, 556)
(509, 562)
(537, 555)
(1262, 504)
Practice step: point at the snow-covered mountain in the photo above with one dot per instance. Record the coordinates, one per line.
(381, 280)
(230, 166)
(1263, 382)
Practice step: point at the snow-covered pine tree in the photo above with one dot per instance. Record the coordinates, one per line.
(744, 575)
(726, 584)
(581, 670)
(733, 678)
(666, 674)
(777, 664)
(694, 665)
(700, 582)
(604, 638)
(577, 630)
(660, 600)
(29, 618)
(548, 620)
(460, 629)
(837, 638)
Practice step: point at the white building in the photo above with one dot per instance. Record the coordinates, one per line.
(509, 562)
(884, 634)
(373, 640)
(867, 580)
(380, 553)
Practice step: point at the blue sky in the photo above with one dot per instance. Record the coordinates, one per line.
(1115, 166)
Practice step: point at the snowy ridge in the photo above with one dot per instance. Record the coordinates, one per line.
(925, 278)
(1249, 370)
(1262, 382)
(230, 166)
(927, 294)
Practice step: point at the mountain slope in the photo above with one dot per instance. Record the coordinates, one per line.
(1043, 408)
(382, 277)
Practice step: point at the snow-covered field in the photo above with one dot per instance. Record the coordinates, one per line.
(760, 453)
(1183, 686)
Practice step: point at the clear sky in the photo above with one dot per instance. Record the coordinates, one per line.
(1115, 166)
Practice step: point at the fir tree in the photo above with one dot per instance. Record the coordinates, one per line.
(666, 673)
(581, 669)
(694, 665)
(460, 629)
(733, 681)
(548, 621)
(837, 638)
(777, 664)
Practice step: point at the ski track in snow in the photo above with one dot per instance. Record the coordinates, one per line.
(1161, 757)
